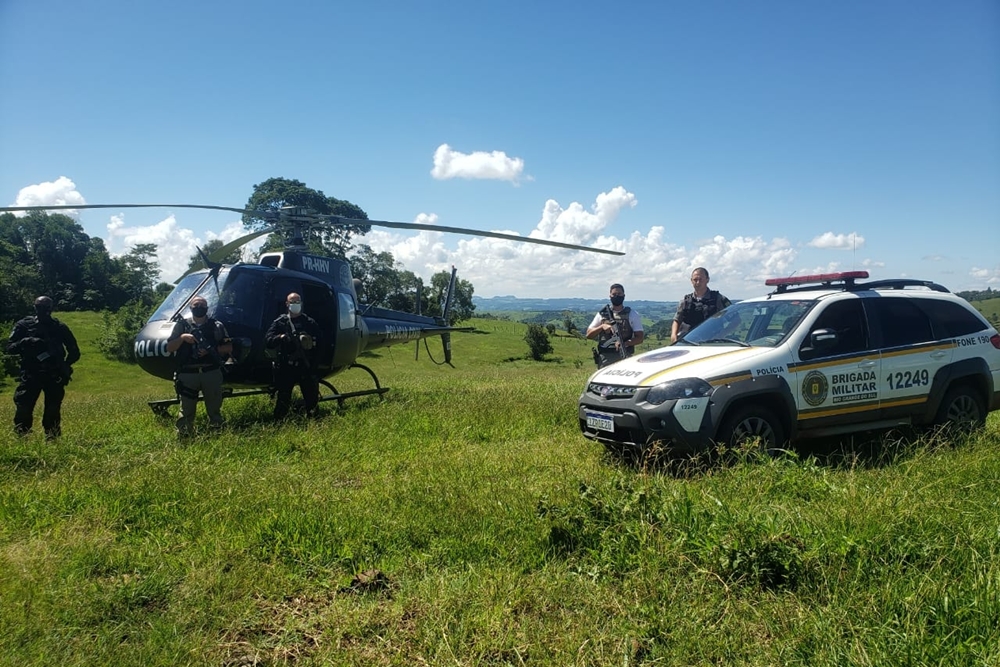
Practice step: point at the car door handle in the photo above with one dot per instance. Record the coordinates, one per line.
(867, 364)
(938, 354)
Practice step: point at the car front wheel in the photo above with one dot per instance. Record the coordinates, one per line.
(752, 423)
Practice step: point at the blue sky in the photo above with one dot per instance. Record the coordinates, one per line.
(756, 139)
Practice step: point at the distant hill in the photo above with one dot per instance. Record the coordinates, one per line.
(652, 310)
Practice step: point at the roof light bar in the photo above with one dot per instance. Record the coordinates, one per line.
(816, 278)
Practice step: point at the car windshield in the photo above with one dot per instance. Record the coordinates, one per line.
(754, 323)
(185, 290)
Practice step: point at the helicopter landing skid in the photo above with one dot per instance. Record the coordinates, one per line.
(160, 408)
(379, 390)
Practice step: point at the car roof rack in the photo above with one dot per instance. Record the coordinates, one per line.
(846, 281)
(900, 283)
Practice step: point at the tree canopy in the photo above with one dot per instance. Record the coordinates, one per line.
(333, 241)
(50, 254)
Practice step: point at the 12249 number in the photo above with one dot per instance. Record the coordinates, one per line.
(907, 379)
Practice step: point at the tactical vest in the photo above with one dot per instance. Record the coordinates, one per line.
(606, 338)
(49, 354)
(697, 311)
(205, 334)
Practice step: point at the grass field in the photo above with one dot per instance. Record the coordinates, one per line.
(463, 520)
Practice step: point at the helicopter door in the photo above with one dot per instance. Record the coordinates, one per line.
(319, 304)
(348, 331)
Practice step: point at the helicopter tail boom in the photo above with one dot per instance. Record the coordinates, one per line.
(384, 328)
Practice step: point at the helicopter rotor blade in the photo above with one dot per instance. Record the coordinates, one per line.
(296, 216)
(218, 255)
(74, 207)
(336, 220)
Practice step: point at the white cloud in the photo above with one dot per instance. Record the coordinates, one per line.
(831, 241)
(175, 245)
(988, 276)
(61, 192)
(652, 268)
(496, 165)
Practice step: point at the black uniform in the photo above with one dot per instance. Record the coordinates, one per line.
(294, 364)
(48, 351)
(692, 311)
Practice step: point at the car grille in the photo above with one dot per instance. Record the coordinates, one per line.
(611, 391)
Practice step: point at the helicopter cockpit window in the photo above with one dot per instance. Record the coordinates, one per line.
(348, 311)
(240, 301)
(183, 292)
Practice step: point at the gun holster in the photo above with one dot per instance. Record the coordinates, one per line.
(184, 391)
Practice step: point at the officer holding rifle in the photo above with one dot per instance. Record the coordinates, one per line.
(617, 329)
(200, 342)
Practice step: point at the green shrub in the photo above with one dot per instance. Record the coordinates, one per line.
(538, 342)
(117, 342)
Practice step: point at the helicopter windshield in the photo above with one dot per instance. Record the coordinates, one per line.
(185, 290)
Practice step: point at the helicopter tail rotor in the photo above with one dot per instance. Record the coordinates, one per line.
(446, 311)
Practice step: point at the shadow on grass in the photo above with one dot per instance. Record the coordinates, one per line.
(874, 450)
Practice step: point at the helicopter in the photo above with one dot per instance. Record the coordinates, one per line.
(247, 297)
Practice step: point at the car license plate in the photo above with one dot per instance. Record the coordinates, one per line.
(601, 421)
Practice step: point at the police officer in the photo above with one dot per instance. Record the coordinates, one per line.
(200, 342)
(616, 327)
(48, 351)
(697, 306)
(294, 336)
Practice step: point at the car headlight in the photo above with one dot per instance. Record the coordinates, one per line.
(677, 389)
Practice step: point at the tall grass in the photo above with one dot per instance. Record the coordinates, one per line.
(464, 520)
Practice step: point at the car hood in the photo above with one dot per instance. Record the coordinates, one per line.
(714, 363)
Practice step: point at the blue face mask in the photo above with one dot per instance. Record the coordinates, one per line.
(295, 308)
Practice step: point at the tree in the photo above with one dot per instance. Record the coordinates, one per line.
(569, 325)
(551, 328)
(196, 262)
(462, 307)
(377, 273)
(136, 271)
(334, 241)
(538, 342)
(55, 246)
(19, 282)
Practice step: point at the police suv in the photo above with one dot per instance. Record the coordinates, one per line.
(820, 355)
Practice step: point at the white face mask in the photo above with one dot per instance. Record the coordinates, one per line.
(295, 308)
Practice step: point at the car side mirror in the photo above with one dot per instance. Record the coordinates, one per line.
(822, 339)
(819, 340)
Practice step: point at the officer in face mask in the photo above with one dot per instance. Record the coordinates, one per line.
(617, 328)
(48, 351)
(201, 344)
(294, 336)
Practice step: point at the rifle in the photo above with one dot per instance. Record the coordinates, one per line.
(602, 360)
(207, 344)
(608, 314)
